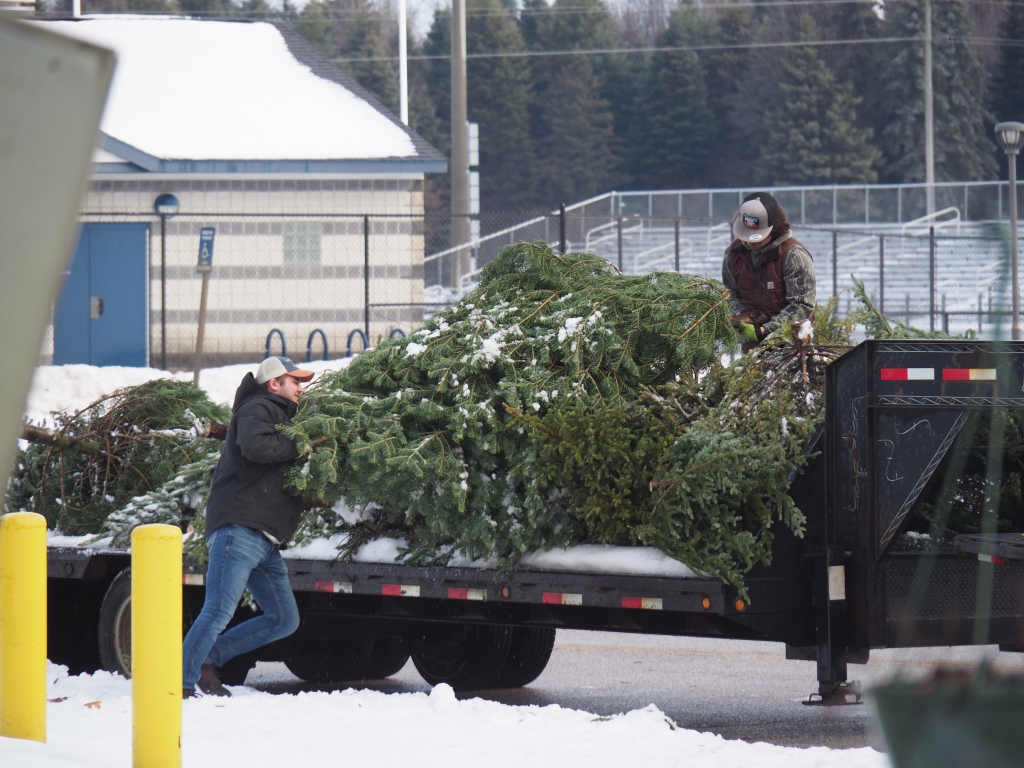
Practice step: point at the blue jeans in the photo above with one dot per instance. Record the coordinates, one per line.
(240, 557)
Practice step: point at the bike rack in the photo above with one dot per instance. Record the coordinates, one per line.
(366, 342)
(284, 349)
(396, 332)
(309, 344)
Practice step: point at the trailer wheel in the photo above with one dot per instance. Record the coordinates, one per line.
(115, 630)
(387, 658)
(329, 658)
(467, 658)
(528, 654)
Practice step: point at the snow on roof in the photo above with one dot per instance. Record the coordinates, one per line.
(216, 90)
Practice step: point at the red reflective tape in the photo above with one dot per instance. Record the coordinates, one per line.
(894, 374)
(458, 593)
(956, 374)
(632, 602)
(324, 586)
(395, 590)
(997, 560)
(551, 598)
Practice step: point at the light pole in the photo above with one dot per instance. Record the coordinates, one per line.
(166, 206)
(1011, 138)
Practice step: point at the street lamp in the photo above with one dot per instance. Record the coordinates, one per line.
(1011, 139)
(166, 206)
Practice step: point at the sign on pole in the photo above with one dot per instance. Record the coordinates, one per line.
(206, 249)
(205, 268)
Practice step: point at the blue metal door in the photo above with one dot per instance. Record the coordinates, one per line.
(101, 318)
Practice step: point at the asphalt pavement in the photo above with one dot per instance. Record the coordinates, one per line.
(740, 690)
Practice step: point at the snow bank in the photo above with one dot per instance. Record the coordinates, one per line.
(213, 90)
(369, 728)
(72, 387)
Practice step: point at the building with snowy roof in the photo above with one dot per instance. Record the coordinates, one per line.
(304, 175)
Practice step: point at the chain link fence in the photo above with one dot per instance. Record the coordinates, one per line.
(942, 273)
(328, 285)
(309, 286)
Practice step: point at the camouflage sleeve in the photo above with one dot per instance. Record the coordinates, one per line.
(736, 307)
(801, 290)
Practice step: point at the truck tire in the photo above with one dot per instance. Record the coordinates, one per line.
(528, 654)
(115, 631)
(387, 658)
(329, 658)
(468, 658)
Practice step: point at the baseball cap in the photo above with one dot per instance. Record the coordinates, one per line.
(273, 367)
(758, 213)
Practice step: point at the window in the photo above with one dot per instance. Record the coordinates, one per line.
(302, 242)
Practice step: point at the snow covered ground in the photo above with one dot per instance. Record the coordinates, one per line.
(89, 724)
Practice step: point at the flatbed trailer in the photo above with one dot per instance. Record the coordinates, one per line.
(894, 411)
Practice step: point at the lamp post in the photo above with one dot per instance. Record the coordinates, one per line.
(1011, 139)
(166, 206)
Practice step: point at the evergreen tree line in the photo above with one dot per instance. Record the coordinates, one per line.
(738, 111)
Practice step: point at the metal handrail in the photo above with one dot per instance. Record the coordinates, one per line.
(933, 217)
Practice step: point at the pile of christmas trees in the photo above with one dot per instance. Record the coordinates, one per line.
(558, 403)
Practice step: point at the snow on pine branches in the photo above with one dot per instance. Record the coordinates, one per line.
(558, 403)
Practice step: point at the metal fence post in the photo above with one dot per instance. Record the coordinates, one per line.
(835, 263)
(561, 228)
(163, 292)
(619, 223)
(366, 277)
(881, 274)
(931, 279)
(677, 245)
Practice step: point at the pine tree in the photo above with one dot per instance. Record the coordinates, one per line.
(732, 159)
(1008, 85)
(672, 135)
(357, 30)
(813, 136)
(574, 149)
(498, 95)
(963, 150)
(572, 124)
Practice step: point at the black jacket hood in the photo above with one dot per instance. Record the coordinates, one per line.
(249, 389)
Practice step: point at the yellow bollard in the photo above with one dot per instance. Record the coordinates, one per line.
(156, 646)
(23, 626)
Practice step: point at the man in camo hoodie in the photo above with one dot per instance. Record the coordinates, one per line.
(769, 273)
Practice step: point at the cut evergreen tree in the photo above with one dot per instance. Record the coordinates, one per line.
(563, 403)
(147, 460)
(879, 326)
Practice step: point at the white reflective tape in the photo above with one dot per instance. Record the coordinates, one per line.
(651, 603)
(837, 582)
(410, 590)
(476, 594)
(983, 374)
(920, 374)
(568, 598)
(192, 579)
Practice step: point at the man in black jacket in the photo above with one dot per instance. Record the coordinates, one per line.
(249, 515)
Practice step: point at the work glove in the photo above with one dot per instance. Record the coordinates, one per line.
(748, 333)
